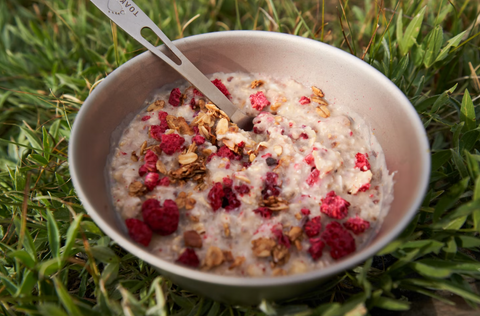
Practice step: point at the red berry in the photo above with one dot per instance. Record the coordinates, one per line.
(362, 162)
(196, 92)
(281, 238)
(339, 239)
(305, 211)
(316, 248)
(215, 196)
(150, 160)
(145, 118)
(264, 212)
(199, 140)
(313, 177)
(192, 103)
(242, 189)
(218, 83)
(162, 115)
(230, 201)
(227, 182)
(151, 180)
(225, 152)
(171, 143)
(257, 130)
(309, 159)
(142, 171)
(271, 187)
(364, 187)
(174, 98)
(334, 206)
(139, 231)
(259, 101)
(162, 220)
(304, 100)
(165, 181)
(357, 225)
(312, 227)
(189, 258)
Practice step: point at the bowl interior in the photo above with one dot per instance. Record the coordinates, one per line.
(344, 79)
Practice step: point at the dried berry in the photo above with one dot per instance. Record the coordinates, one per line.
(218, 83)
(215, 196)
(196, 92)
(357, 225)
(264, 212)
(271, 161)
(165, 181)
(303, 135)
(334, 206)
(151, 180)
(192, 103)
(339, 239)
(362, 162)
(162, 115)
(304, 100)
(150, 160)
(171, 143)
(258, 130)
(309, 160)
(230, 201)
(364, 187)
(162, 220)
(139, 231)
(175, 96)
(142, 171)
(242, 189)
(316, 248)
(305, 211)
(227, 182)
(199, 140)
(225, 152)
(313, 177)
(146, 118)
(281, 238)
(189, 258)
(259, 101)
(271, 188)
(313, 227)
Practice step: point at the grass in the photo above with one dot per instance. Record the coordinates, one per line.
(55, 261)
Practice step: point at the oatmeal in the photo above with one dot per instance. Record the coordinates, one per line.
(308, 186)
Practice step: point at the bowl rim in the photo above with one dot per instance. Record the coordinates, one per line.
(331, 270)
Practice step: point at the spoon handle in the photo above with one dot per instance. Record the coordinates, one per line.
(127, 15)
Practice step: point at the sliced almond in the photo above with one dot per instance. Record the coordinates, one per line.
(161, 167)
(155, 106)
(204, 132)
(278, 149)
(323, 111)
(222, 126)
(187, 158)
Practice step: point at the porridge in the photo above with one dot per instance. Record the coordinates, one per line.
(308, 186)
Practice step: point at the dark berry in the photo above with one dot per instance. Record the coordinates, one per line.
(271, 188)
(189, 258)
(139, 231)
(271, 161)
(175, 96)
(334, 206)
(230, 201)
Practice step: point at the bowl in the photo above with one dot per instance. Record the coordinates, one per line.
(344, 79)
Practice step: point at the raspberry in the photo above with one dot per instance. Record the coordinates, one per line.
(215, 196)
(146, 118)
(304, 100)
(156, 131)
(339, 239)
(218, 83)
(305, 211)
(197, 131)
(210, 157)
(189, 258)
(142, 171)
(271, 187)
(162, 115)
(312, 227)
(196, 92)
(241, 144)
(151, 180)
(313, 177)
(264, 212)
(242, 189)
(334, 206)
(362, 162)
(171, 143)
(259, 101)
(281, 238)
(230, 201)
(225, 152)
(199, 140)
(150, 160)
(165, 182)
(192, 103)
(309, 160)
(316, 248)
(364, 187)
(357, 225)
(227, 182)
(303, 135)
(246, 164)
(162, 220)
(174, 98)
(139, 231)
(257, 130)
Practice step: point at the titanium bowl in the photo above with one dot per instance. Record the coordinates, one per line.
(344, 79)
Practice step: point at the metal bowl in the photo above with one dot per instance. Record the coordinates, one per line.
(344, 78)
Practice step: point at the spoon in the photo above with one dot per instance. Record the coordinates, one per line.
(127, 15)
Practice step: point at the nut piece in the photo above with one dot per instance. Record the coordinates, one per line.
(318, 91)
(136, 188)
(319, 101)
(252, 157)
(278, 149)
(192, 239)
(262, 247)
(227, 254)
(184, 200)
(226, 229)
(295, 233)
(190, 204)
(280, 255)
(155, 106)
(256, 84)
(275, 203)
(323, 111)
(183, 127)
(187, 158)
(143, 148)
(161, 167)
(134, 156)
(275, 106)
(278, 272)
(238, 262)
(222, 126)
(214, 257)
